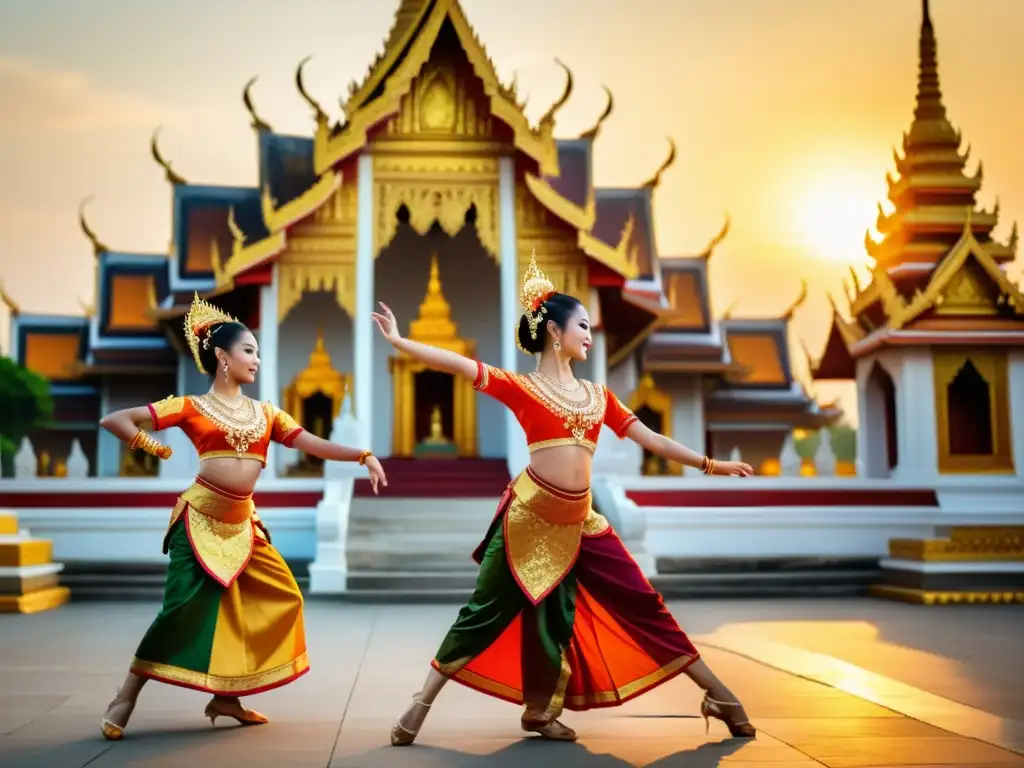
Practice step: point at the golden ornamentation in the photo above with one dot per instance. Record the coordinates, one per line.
(653, 182)
(318, 376)
(927, 597)
(970, 546)
(992, 366)
(443, 202)
(649, 395)
(318, 113)
(224, 685)
(145, 442)
(169, 173)
(578, 416)
(542, 535)
(8, 302)
(592, 133)
(800, 299)
(97, 246)
(394, 74)
(595, 524)
(363, 457)
(242, 425)
(967, 294)
(535, 290)
(432, 326)
(200, 316)
(547, 122)
(255, 120)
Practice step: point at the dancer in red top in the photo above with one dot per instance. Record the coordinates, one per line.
(561, 617)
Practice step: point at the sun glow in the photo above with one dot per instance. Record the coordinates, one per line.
(834, 214)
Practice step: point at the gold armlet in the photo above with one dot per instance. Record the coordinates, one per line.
(363, 457)
(145, 442)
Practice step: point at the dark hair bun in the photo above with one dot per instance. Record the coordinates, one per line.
(533, 346)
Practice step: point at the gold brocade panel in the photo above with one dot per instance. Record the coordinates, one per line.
(972, 412)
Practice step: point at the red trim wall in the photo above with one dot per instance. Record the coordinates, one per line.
(786, 497)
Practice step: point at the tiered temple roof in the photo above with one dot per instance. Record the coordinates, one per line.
(224, 239)
(938, 272)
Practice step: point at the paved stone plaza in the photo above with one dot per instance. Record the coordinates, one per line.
(840, 683)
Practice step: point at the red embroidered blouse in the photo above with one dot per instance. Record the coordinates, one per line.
(550, 418)
(213, 437)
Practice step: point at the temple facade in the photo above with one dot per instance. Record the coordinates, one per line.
(935, 341)
(430, 193)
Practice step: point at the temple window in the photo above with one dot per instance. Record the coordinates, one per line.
(972, 410)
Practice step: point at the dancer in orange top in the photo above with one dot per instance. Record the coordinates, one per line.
(561, 617)
(231, 622)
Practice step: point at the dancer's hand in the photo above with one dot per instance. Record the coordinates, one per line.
(376, 471)
(387, 323)
(737, 468)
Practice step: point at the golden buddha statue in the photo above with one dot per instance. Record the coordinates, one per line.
(436, 443)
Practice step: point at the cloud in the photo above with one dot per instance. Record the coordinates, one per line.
(41, 100)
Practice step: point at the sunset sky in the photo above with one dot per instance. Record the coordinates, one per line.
(784, 111)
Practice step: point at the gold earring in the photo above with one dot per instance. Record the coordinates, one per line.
(225, 370)
(557, 345)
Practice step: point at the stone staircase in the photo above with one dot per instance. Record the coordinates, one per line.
(29, 579)
(415, 540)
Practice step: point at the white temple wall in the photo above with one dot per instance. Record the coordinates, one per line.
(126, 392)
(623, 378)
(687, 395)
(470, 284)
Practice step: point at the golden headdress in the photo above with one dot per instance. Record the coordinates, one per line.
(537, 289)
(198, 321)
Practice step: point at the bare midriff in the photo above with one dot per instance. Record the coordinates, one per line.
(567, 467)
(237, 476)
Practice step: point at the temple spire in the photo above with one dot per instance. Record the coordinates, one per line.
(929, 94)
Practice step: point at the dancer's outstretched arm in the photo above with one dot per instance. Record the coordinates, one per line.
(437, 359)
(325, 449)
(669, 449)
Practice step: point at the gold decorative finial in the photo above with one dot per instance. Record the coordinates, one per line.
(97, 246)
(799, 301)
(169, 172)
(549, 116)
(714, 242)
(199, 319)
(318, 111)
(88, 310)
(434, 322)
(727, 315)
(856, 280)
(969, 222)
(536, 289)
(653, 182)
(256, 121)
(593, 132)
(12, 307)
(236, 233)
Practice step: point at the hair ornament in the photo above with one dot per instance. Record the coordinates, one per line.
(537, 289)
(201, 316)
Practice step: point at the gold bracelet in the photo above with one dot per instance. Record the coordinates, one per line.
(363, 457)
(150, 445)
(707, 465)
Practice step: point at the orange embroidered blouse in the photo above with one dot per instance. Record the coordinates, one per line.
(214, 438)
(550, 418)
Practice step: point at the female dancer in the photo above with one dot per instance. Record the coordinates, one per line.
(231, 622)
(561, 616)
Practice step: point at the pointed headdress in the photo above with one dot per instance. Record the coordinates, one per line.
(199, 320)
(537, 289)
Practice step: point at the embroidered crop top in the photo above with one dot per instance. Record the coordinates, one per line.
(217, 433)
(550, 417)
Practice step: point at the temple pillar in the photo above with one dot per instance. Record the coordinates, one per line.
(1015, 382)
(599, 349)
(516, 454)
(108, 447)
(270, 390)
(688, 426)
(916, 433)
(362, 323)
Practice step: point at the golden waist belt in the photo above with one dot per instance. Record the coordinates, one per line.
(219, 526)
(543, 528)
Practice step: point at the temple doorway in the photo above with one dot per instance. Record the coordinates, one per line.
(444, 291)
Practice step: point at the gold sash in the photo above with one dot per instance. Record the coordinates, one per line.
(220, 529)
(543, 527)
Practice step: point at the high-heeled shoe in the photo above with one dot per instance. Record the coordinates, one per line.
(402, 736)
(711, 708)
(244, 716)
(113, 731)
(552, 729)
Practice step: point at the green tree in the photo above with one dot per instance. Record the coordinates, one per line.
(25, 404)
(844, 443)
